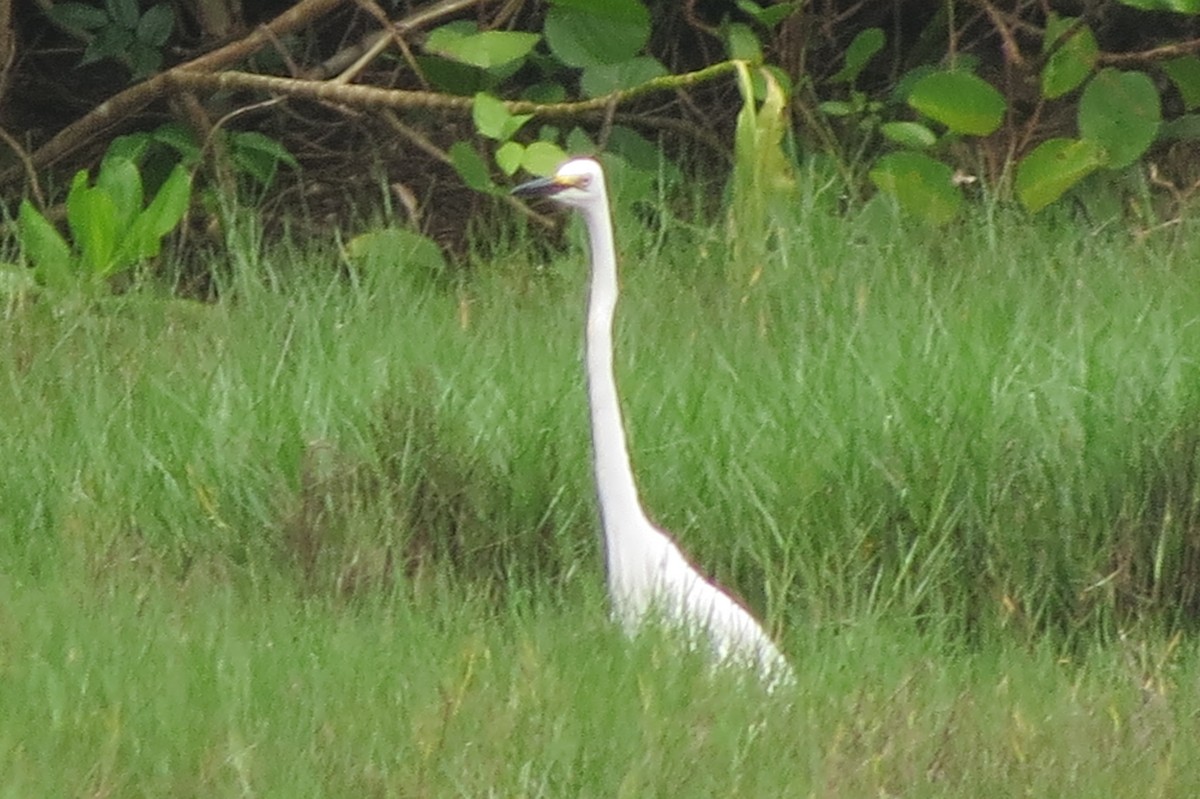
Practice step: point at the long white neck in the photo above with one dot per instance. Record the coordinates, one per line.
(614, 476)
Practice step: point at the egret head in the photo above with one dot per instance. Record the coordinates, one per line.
(578, 183)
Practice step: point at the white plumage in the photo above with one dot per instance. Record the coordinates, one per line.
(647, 572)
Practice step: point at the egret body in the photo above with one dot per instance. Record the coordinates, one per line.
(647, 572)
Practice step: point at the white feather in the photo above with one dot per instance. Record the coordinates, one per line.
(648, 575)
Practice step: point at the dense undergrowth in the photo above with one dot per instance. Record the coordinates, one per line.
(988, 426)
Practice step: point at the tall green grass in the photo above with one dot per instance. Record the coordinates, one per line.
(983, 427)
(334, 534)
(169, 688)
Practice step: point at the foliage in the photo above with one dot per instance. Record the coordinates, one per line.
(1029, 104)
(112, 228)
(119, 31)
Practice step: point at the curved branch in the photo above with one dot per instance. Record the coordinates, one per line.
(135, 98)
(359, 96)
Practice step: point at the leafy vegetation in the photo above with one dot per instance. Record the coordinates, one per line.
(334, 535)
(936, 108)
(923, 394)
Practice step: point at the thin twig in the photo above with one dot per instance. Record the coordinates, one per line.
(30, 173)
(421, 142)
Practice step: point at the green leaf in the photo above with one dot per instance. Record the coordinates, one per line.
(471, 167)
(123, 12)
(252, 140)
(143, 59)
(909, 134)
(493, 120)
(601, 34)
(508, 156)
(1071, 61)
(1178, 6)
(120, 179)
(862, 49)
(908, 80)
(1184, 72)
(111, 41)
(161, 216)
(542, 158)
(603, 79)
(545, 92)
(77, 16)
(155, 26)
(1120, 111)
(921, 185)
(1053, 167)
(169, 205)
(961, 101)
(44, 247)
(179, 138)
(397, 247)
(130, 147)
(836, 108)
(770, 16)
(741, 43)
(1183, 128)
(486, 49)
(92, 217)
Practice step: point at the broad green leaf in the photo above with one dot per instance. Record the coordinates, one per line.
(169, 205)
(622, 10)
(452, 77)
(154, 27)
(493, 120)
(1071, 61)
(741, 43)
(542, 158)
(119, 178)
(92, 217)
(1184, 72)
(123, 12)
(603, 79)
(111, 41)
(909, 134)
(545, 92)
(471, 167)
(601, 34)
(261, 143)
(397, 248)
(961, 101)
(179, 138)
(638, 151)
(44, 247)
(908, 80)
(78, 16)
(130, 147)
(1120, 111)
(1184, 128)
(161, 216)
(921, 185)
(143, 59)
(508, 157)
(1053, 167)
(770, 16)
(486, 49)
(862, 49)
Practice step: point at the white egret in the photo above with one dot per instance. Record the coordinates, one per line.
(648, 575)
